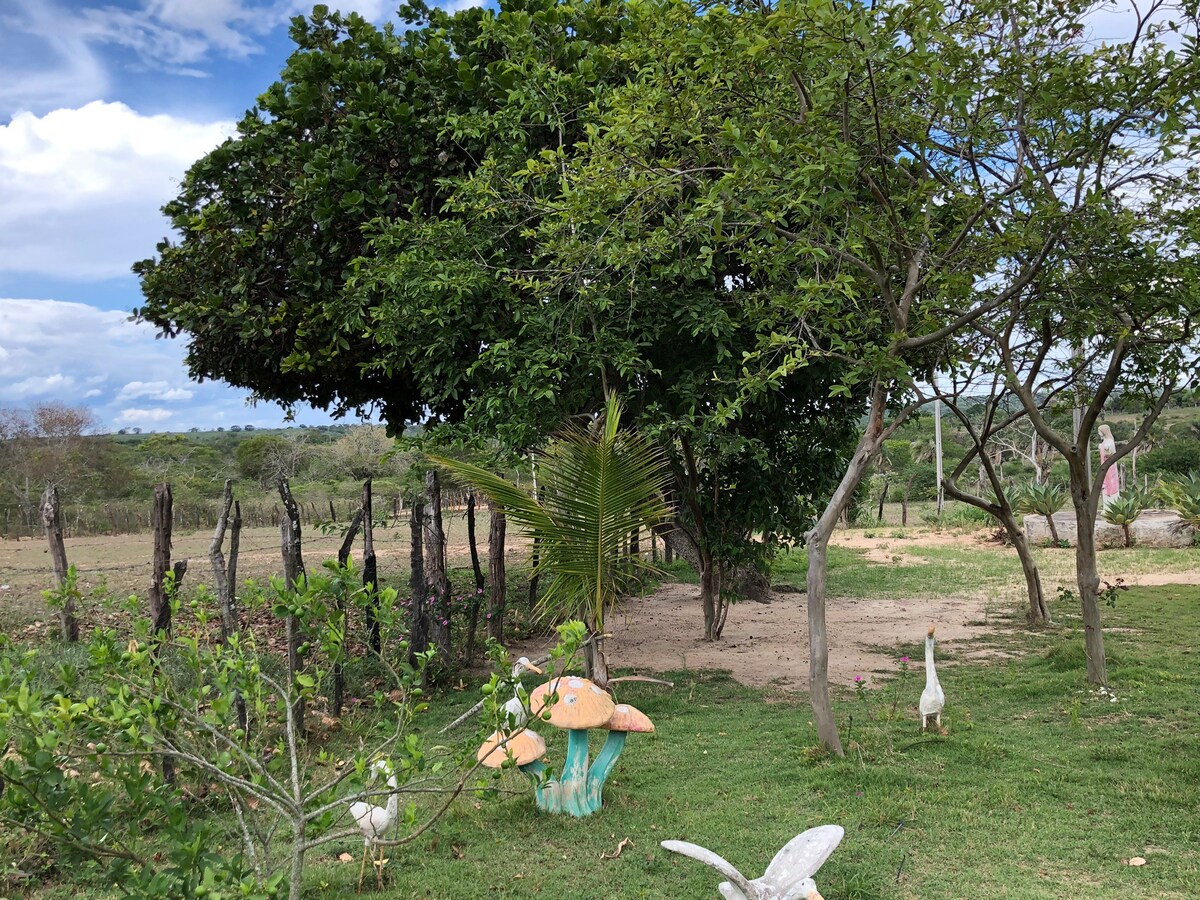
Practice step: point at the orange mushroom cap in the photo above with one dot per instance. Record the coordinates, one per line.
(580, 704)
(525, 747)
(931, 630)
(629, 718)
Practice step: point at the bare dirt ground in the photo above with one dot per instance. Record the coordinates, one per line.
(766, 644)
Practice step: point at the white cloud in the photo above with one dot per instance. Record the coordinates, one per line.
(153, 390)
(80, 188)
(68, 352)
(140, 416)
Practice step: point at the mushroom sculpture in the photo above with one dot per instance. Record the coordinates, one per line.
(525, 747)
(580, 705)
(788, 877)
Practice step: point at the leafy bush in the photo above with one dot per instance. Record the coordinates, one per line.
(1178, 456)
(116, 749)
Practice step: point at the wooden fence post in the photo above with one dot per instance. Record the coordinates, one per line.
(161, 519)
(419, 637)
(293, 574)
(477, 599)
(497, 577)
(437, 586)
(370, 570)
(52, 523)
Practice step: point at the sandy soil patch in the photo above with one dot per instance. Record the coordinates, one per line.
(767, 643)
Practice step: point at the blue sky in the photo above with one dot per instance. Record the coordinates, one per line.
(103, 105)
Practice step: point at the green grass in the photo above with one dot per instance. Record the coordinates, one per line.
(1040, 790)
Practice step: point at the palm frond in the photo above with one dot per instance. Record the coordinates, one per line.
(597, 486)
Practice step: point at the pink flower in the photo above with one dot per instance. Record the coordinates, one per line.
(904, 659)
(858, 679)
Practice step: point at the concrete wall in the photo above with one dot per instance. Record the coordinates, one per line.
(1154, 528)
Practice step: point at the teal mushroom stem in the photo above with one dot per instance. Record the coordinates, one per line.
(579, 792)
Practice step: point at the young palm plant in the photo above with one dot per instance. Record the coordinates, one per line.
(597, 484)
(1043, 500)
(1124, 511)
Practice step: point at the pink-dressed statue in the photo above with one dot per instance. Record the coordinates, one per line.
(1112, 479)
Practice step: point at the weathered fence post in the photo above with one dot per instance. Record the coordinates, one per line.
(52, 523)
(477, 598)
(293, 574)
(370, 570)
(161, 519)
(419, 637)
(497, 577)
(437, 586)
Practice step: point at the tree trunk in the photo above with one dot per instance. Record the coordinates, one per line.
(437, 587)
(293, 575)
(818, 552)
(160, 603)
(882, 500)
(1088, 579)
(668, 552)
(370, 572)
(419, 638)
(595, 662)
(1039, 613)
(477, 598)
(52, 523)
(216, 557)
(497, 577)
(1053, 531)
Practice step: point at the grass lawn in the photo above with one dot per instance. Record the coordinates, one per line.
(1042, 788)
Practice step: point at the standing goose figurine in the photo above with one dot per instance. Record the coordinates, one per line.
(514, 709)
(374, 821)
(788, 877)
(932, 698)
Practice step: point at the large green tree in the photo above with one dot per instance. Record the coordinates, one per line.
(370, 237)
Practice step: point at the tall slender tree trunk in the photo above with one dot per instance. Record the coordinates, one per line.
(1087, 575)
(419, 638)
(52, 523)
(477, 598)
(818, 555)
(497, 576)
(437, 587)
(216, 557)
(370, 571)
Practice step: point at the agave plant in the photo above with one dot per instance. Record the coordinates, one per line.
(1043, 500)
(1124, 511)
(1182, 494)
(596, 485)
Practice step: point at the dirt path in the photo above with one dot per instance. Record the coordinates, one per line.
(767, 643)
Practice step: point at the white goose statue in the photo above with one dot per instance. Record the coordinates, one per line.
(374, 821)
(932, 698)
(514, 708)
